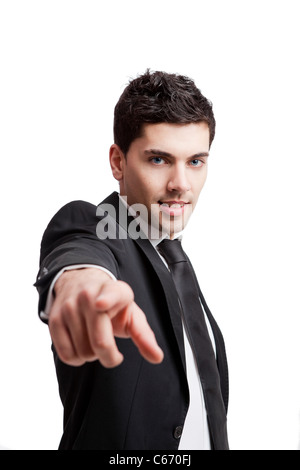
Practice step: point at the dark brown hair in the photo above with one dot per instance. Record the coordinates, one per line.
(157, 97)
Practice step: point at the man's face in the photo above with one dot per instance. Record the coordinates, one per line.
(165, 170)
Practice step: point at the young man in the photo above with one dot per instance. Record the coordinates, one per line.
(141, 363)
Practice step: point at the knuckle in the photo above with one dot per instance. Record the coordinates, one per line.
(82, 359)
(85, 295)
(66, 355)
(68, 309)
(68, 305)
(54, 321)
(84, 351)
(109, 363)
(126, 290)
(101, 344)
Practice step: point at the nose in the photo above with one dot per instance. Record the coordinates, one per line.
(178, 180)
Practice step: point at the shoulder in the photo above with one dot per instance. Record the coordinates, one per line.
(82, 212)
(74, 218)
(74, 211)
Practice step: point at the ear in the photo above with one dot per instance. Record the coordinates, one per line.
(117, 161)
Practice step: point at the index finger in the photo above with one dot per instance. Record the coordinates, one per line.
(142, 335)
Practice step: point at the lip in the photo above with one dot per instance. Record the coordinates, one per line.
(171, 203)
(173, 208)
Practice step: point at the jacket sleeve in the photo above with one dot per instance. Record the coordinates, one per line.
(71, 239)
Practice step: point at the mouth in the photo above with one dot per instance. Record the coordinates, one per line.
(173, 208)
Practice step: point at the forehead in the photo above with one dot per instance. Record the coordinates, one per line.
(176, 138)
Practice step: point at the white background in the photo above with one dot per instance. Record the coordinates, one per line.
(63, 66)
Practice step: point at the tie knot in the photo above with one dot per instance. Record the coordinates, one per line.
(172, 251)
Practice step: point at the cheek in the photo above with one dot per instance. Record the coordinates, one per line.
(141, 186)
(200, 181)
(149, 184)
(132, 178)
(197, 187)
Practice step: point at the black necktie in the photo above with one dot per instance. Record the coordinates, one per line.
(195, 323)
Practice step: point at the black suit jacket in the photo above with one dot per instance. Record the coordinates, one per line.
(135, 405)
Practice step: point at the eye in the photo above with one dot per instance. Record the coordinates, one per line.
(196, 162)
(157, 160)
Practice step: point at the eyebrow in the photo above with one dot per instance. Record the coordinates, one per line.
(162, 153)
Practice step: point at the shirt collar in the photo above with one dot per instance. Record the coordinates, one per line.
(145, 226)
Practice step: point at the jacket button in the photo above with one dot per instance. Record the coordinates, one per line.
(177, 432)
